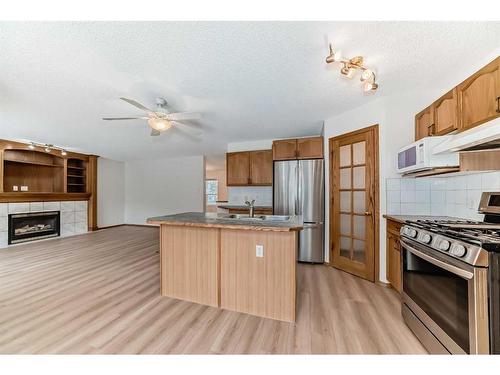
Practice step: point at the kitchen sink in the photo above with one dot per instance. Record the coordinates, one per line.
(257, 217)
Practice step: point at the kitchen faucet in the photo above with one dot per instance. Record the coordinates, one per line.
(250, 207)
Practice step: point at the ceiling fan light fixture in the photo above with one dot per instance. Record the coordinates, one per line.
(370, 86)
(159, 124)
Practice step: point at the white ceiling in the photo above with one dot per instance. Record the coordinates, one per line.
(250, 80)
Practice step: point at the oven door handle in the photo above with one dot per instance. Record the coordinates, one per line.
(448, 267)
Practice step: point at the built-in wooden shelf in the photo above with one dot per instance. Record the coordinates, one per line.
(48, 176)
(33, 163)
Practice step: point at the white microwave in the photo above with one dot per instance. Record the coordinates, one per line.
(419, 156)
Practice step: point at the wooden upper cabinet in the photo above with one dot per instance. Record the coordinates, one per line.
(249, 168)
(261, 167)
(479, 96)
(310, 148)
(238, 168)
(301, 148)
(285, 149)
(445, 113)
(424, 123)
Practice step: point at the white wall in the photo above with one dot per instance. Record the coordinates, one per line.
(163, 186)
(110, 192)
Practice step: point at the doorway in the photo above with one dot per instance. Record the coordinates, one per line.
(354, 202)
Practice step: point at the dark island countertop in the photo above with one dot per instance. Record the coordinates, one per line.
(213, 220)
(243, 207)
(403, 218)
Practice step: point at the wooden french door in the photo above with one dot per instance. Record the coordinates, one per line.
(354, 202)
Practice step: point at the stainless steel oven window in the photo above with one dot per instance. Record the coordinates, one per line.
(450, 300)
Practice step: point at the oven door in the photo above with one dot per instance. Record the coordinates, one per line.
(448, 296)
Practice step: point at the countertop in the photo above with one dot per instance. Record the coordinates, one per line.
(243, 207)
(213, 220)
(402, 218)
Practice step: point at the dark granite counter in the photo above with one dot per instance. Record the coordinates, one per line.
(242, 207)
(213, 220)
(402, 218)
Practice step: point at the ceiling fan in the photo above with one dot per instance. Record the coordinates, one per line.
(159, 119)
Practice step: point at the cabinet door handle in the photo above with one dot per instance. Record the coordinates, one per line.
(430, 129)
(498, 104)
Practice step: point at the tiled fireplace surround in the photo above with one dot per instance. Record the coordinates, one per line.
(73, 216)
(456, 196)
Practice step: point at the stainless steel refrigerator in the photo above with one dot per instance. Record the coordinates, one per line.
(298, 189)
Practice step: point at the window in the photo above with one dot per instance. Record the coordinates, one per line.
(211, 188)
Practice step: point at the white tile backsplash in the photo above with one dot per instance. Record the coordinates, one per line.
(67, 206)
(80, 205)
(448, 195)
(237, 195)
(17, 208)
(51, 206)
(36, 206)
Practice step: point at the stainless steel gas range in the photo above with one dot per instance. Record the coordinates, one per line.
(451, 281)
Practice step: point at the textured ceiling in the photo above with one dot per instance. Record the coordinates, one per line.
(250, 80)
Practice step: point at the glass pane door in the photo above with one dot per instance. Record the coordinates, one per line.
(352, 196)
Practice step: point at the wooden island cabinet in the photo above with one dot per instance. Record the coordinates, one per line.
(238, 265)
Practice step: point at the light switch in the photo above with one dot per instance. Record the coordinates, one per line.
(259, 251)
(24, 188)
(15, 188)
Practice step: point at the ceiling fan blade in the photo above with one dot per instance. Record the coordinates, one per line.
(183, 116)
(155, 133)
(123, 118)
(137, 104)
(186, 128)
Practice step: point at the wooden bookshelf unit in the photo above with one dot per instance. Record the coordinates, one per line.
(33, 175)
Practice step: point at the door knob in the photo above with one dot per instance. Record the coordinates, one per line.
(368, 213)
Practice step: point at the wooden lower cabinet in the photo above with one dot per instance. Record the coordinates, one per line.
(393, 254)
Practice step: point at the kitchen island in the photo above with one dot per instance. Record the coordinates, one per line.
(231, 261)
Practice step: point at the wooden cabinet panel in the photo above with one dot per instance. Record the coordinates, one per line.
(310, 148)
(249, 168)
(261, 167)
(285, 149)
(424, 123)
(479, 96)
(393, 255)
(445, 113)
(238, 168)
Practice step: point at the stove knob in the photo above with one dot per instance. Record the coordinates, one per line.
(425, 238)
(458, 250)
(443, 245)
(411, 232)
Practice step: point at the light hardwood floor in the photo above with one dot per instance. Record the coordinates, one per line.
(99, 293)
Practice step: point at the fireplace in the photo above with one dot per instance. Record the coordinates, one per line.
(33, 226)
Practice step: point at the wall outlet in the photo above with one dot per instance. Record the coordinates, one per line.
(15, 188)
(24, 188)
(259, 251)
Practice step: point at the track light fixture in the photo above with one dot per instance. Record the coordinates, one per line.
(350, 66)
(47, 147)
